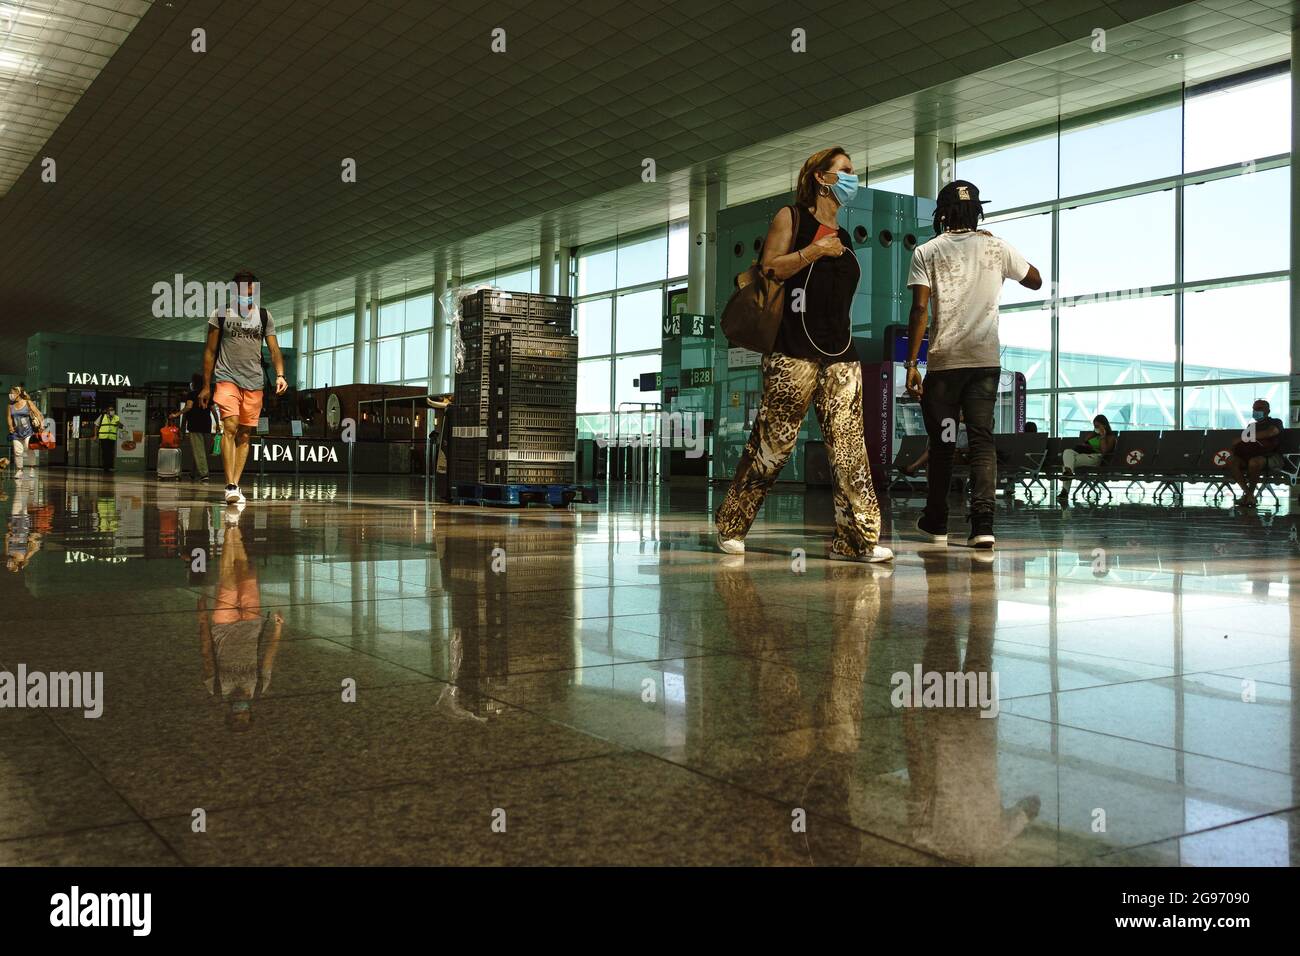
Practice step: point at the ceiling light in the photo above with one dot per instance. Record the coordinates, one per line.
(1174, 56)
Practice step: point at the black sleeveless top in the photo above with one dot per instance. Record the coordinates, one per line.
(828, 286)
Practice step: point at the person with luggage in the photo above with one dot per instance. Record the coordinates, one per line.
(234, 374)
(198, 425)
(25, 420)
(811, 362)
(108, 428)
(956, 280)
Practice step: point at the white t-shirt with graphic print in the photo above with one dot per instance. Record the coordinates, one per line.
(964, 272)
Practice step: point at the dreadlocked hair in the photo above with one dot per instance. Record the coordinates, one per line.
(963, 214)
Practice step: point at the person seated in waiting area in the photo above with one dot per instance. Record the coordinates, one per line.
(1096, 448)
(1250, 459)
(1031, 428)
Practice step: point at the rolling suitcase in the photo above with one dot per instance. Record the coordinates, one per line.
(169, 464)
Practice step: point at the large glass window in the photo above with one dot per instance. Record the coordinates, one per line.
(595, 326)
(390, 360)
(645, 260)
(1118, 245)
(1016, 175)
(419, 312)
(1124, 341)
(524, 279)
(392, 317)
(617, 319)
(1026, 336)
(343, 366)
(1133, 149)
(627, 373)
(1238, 123)
(640, 320)
(324, 334)
(679, 249)
(1237, 226)
(593, 386)
(1229, 406)
(900, 182)
(1032, 237)
(1130, 409)
(415, 358)
(596, 271)
(1239, 331)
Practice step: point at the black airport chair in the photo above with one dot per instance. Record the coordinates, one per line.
(1212, 464)
(1052, 460)
(1176, 460)
(1285, 467)
(910, 448)
(1020, 458)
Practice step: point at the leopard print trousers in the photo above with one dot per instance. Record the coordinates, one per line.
(789, 385)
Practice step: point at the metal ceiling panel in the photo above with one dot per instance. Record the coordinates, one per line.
(173, 161)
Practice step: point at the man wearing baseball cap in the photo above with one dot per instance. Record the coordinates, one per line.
(958, 277)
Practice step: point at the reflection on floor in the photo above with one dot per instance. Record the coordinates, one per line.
(358, 676)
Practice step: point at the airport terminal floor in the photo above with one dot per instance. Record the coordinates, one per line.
(357, 675)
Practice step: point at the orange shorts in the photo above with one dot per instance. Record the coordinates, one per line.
(242, 602)
(233, 401)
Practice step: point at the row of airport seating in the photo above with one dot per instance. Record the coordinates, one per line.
(1169, 460)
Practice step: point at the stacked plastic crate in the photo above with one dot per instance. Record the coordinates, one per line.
(533, 397)
(485, 315)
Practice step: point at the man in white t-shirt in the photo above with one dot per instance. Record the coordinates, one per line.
(958, 275)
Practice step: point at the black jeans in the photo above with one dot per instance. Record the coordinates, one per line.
(946, 395)
(107, 453)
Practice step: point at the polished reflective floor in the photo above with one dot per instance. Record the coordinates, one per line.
(351, 674)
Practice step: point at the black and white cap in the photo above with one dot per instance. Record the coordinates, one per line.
(960, 190)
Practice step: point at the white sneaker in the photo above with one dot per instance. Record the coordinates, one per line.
(731, 545)
(234, 496)
(878, 553)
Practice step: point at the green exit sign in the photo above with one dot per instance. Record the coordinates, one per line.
(696, 377)
(684, 323)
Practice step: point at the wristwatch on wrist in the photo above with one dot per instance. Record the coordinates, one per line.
(910, 364)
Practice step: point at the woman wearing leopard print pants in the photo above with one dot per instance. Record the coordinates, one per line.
(812, 362)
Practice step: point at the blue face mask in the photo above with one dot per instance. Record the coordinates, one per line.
(844, 188)
(1257, 414)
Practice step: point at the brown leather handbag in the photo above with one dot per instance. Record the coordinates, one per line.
(752, 315)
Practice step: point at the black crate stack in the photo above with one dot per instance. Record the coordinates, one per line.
(485, 315)
(532, 422)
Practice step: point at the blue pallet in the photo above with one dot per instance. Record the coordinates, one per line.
(515, 496)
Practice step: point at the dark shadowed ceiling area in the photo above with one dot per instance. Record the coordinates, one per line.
(199, 163)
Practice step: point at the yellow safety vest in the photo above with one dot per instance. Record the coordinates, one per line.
(108, 426)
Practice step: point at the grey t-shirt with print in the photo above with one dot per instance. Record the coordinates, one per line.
(239, 360)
